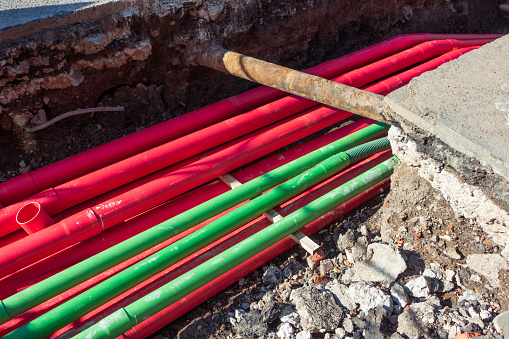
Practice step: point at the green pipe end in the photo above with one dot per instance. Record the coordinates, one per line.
(4, 316)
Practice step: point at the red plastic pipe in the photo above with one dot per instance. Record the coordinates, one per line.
(105, 215)
(84, 188)
(127, 229)
(12, 237)
(33, 218)
(57, 199)
(407, 58)
(25, 185)
(382, 61)
(93, 221)
(385, 86)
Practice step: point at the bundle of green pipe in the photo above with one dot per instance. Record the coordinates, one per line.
(125, 318)
(107, 290)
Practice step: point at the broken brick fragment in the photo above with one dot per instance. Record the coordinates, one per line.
(320, 278)
(314, 260)
(467, 335)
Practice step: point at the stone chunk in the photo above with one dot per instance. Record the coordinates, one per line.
(501, 323)
(419, 287)
(399, 295)
(326, 266)
(366, 296)
(414, 322)
(488, 265)
(452, 253)
(252, 325)
(272, 276)
(383, 263)
(348, 325)
(289, 315)
(347, 240)
(376, 323)
(21, 118)
(317, 310)
(303, 335)
(271, 311)
(285, 331)
(360, 249)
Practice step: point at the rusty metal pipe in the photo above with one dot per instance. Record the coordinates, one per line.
(308, 86)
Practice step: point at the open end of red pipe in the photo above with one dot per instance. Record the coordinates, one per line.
(33, 218)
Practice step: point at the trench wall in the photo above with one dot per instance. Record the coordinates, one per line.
(139, 55)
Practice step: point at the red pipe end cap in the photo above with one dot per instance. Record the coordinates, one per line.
(33, 218)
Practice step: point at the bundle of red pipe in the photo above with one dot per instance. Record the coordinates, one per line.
(177, 166)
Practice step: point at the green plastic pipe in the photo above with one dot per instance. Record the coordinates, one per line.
(132, 276)
(62, 281)
(126, 318)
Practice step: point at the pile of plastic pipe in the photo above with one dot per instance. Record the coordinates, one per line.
(91, 228)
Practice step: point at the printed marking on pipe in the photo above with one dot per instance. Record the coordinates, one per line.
(110, 205)
(217, 261)
(153, 296)
(105, 323)
(151, 260)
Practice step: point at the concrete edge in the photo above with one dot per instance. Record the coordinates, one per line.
(451, 138)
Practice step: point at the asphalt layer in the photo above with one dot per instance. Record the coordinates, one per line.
(19, 12)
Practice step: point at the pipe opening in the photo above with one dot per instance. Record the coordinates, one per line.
(33, 218)
(28, 213)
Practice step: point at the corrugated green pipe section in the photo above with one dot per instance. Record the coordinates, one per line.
(60, 282)
(124, 319)
(132, 276)
(358, 153)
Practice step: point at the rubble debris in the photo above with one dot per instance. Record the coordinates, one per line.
(382, 263)
(317, 309)
(489, 265)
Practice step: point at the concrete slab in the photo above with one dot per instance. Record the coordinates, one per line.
(465, 103)
(16, 13)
